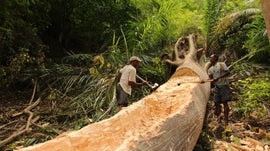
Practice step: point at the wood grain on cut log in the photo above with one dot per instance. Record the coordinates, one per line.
(170, 118)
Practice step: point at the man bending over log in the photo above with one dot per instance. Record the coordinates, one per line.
(127, 80)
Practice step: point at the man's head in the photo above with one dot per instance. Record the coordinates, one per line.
(213, 58)
(135, 61)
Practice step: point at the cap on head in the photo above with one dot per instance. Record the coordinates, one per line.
(135, 58)
(214, 56)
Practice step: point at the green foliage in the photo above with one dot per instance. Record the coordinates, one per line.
(235, 139)
(20, 46)
(86, 26)
(212, 12)
(231, 6)
(226, 25)
(230, 32)
(253, 96)
(160, 23)
(153, 68)
(258, 44)
(52, 29)
(87, 81)
(250, 87)
(204, 142)
(87, 93)
(154, 71)
(75, 48)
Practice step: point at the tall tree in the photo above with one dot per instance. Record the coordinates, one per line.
(212, 13)
(266, 13)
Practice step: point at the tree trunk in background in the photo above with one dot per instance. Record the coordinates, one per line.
(266, 13)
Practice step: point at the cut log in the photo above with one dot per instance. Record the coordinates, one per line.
(170, 118)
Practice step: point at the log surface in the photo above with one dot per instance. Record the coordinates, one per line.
(170, 118)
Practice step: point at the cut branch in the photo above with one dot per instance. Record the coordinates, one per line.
(23, 129)
(27, 111)
(185, 49)
(30, 102)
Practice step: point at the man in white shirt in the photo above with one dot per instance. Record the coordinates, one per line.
(218, 71)
(127, 81)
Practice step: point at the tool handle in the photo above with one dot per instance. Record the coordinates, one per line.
(140, 78)
(208, 80)
(143, 80)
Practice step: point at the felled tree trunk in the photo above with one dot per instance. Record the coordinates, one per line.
(171, 118)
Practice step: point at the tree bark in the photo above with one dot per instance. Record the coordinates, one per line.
(266, 13)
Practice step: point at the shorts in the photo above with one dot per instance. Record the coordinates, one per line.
(222, 94)
(121, 96)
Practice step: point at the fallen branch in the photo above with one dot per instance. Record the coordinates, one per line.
(27, 110)
(34, 92)
(15, 134)
(10, 138)
(112, 104)
(31, 100)
(5, 125)
(23, 129)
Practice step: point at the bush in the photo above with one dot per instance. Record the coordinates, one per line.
(253, 95)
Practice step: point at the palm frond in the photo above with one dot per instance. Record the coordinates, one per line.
(258, 45)
(231, 25)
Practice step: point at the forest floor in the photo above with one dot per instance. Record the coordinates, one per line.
(241, 134)
(18, 128)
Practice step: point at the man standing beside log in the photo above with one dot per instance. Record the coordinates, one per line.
(127, 81)
(219, 72)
